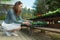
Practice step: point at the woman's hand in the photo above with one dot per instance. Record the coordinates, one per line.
(27, 23)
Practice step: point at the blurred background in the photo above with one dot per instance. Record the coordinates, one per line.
(42, 12)
(31, 8)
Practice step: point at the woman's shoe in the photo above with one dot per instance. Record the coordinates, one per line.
(14, 34)
(8, 34)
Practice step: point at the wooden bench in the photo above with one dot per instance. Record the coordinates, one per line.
(43, 29)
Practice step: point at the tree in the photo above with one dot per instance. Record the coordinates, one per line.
(39, 6)
(43, 6)
(26, 13)
(53, 4)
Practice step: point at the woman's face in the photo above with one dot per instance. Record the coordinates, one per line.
(20, 7)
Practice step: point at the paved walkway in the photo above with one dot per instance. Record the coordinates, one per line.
(23, 35)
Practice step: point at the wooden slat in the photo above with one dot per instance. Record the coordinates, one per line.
(54, 26)
(49, 29)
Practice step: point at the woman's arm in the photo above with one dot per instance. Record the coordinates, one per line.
(13, 17)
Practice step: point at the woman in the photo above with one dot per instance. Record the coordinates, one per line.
(13, 22)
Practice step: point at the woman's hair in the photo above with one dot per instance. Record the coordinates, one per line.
(15, 8)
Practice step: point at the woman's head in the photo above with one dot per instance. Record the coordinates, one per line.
(17, 7)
